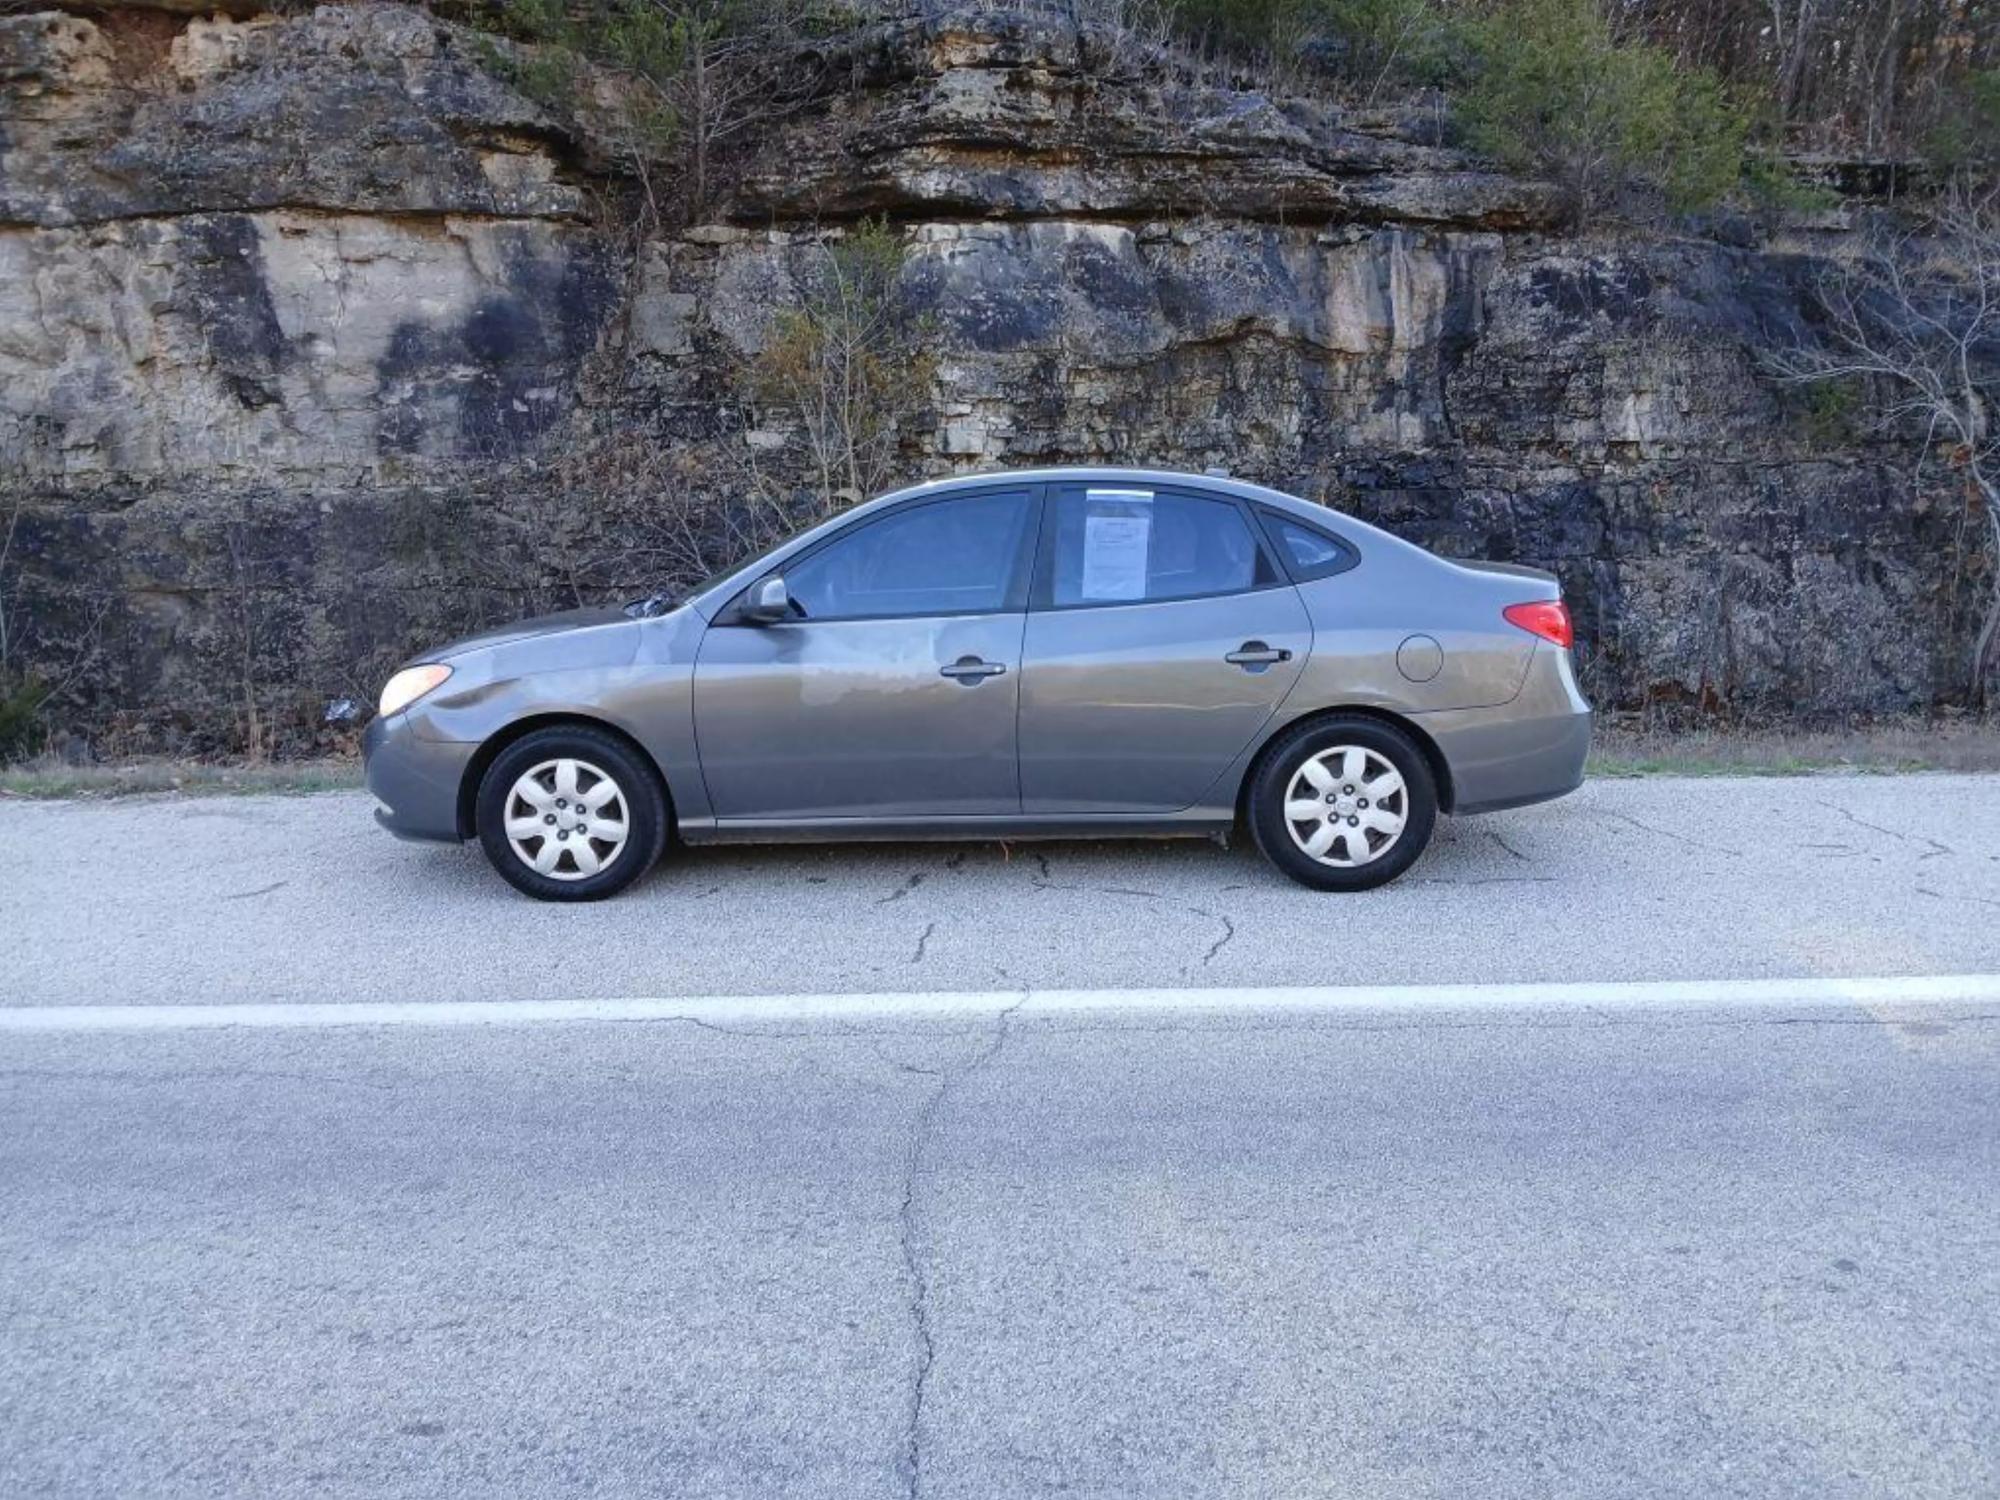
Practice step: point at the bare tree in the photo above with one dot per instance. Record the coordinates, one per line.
(661, 84)
(29, 688)
(851, 362)
(6, 551)
(725, 85)
(1792, 27)
(243, 592)
(1915, 321)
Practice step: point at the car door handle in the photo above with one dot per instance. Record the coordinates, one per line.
(1257, 654)
(971, 671)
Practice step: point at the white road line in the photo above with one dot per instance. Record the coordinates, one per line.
(737, 1010)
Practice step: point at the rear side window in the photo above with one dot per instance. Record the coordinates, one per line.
(1115, 546)
(1308, 552)
(950, 557)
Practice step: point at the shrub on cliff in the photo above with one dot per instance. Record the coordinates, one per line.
(21, 729)
(686, 77)
(1546, 86)
(1552, 90)
(850, 362)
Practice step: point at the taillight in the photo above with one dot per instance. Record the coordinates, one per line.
(1547, 618)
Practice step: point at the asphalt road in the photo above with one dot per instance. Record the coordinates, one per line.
(1204, 1242)
(303, 898)
(1699, 1253)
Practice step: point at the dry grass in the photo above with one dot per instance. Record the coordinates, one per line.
(48, 778)
(1886, 748)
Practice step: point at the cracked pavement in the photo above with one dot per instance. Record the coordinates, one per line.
(303, 898)
(1701, 1250)
(1693, 1254)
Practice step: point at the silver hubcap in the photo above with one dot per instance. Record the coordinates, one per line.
(1347, 806)
(566, 819)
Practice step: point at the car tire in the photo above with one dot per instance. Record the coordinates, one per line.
(1349, 840)
(571, 813)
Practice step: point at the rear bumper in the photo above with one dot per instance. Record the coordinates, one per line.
(1512, 765)
(416, 780)
(1530, 750)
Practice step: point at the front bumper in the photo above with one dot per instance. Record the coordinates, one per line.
(416, 780)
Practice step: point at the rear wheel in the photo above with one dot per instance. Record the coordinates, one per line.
(1343, 804)
(571, 813)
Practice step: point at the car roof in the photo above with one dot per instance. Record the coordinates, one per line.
(711, 599)
(1086, 474)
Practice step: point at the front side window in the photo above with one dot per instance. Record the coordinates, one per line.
(1117, 546)
(949, 557)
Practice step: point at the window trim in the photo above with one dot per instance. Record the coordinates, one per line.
(1270, 517)
(1041, 597)
(1014, 601)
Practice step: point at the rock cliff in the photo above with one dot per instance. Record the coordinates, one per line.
(319, 342)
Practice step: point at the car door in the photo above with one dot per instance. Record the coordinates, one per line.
(894, 691)
(1161, 637)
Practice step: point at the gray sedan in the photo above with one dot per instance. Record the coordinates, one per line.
(1060, 652)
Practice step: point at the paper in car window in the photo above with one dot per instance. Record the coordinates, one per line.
(1117, 535)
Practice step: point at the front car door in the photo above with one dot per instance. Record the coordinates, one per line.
(894, 691)
(1161, 637)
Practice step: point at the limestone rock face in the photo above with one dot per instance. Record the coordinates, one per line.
(1007, 114)
(364, 108)
(286, 346)
(320, 343)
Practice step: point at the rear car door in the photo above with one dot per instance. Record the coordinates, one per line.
(894, 692)
(1161, 637)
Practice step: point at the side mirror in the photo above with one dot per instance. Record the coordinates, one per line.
(767, 602)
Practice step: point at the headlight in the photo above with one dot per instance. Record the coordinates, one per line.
(410, 684)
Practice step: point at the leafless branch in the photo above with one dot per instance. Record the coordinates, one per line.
(1916, 319)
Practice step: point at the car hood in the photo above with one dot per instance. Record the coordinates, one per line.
(521, 630)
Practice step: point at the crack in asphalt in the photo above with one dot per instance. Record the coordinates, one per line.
(1924, 890)
(1668, 833)
(1937, 846)
(903, 890)
(912, 1462)
(1228, 934)
(1494, 834)
(923, 941)
(1041, 883)
(262, 890)
(751, 1033)
(882, 1056)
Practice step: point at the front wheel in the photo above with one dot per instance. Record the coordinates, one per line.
(571, 813)
(1343, 804)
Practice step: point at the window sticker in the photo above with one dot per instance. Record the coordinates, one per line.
(1117, 536)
